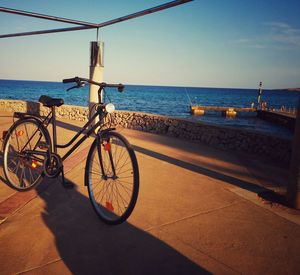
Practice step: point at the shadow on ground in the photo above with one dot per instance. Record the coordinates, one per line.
(88, 246)
(201, 170)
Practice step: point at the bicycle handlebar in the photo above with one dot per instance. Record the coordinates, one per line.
(80, 81)
(69, 80)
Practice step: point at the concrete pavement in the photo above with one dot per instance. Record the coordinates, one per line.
(199, 211)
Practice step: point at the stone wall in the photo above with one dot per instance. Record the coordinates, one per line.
(65, 111)
(225, 138)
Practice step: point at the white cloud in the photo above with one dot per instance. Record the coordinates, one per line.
(277, 24)
(284, 33)
(278, 35)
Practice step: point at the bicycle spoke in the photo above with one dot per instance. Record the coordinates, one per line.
(113, 191)
(119, 169)
(118, 195)
(18, 163)
(121, 157)
(104, 191)
(31, 176)
(125, 187)
(122, 199)
(27, 137)
(125, 171)
(18, 144)
(125, 177)
(21, 178)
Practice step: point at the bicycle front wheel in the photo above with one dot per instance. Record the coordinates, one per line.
(24, 150)
(112, 177)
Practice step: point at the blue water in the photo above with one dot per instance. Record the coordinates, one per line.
(171, 101)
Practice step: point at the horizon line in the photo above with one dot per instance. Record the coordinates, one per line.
(162, 85)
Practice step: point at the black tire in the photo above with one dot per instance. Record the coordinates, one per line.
(24, 170)
(113, 195)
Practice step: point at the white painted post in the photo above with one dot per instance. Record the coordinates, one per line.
(96, 72)
(293, 189)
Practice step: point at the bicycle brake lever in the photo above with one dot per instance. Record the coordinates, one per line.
(72, 88)
(79, 85)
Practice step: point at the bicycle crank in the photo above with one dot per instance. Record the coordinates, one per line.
(52, 166)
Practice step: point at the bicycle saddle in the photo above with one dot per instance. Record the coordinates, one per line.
(49, 101)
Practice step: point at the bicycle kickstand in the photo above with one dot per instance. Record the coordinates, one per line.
(65, 183)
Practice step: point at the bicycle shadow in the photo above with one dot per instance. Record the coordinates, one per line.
(88, 246)
(202, 170)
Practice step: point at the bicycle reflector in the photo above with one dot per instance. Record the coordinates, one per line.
(107, 147)
(34, 164)
(109, 206)
(20, 133)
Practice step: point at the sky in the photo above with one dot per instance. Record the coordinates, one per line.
(213, 43)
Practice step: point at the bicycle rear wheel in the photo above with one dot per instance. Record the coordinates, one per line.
(112, 178)
(24, 146)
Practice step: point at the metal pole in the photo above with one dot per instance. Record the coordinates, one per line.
(293, 189)
(96, 73)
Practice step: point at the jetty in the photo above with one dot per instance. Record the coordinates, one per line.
(283, 118)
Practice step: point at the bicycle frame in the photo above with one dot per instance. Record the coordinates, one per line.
(51, 119)
(51, 145)
(99, 113)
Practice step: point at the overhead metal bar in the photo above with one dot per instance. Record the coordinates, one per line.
(104, 24)
(45, 32)
(47, 17)
(144, 12)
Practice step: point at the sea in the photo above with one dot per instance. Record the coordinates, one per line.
(169, 101)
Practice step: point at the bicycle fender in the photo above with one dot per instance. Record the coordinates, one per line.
(20, 115)
(103, 132)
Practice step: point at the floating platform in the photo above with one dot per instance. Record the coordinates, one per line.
(226, 111)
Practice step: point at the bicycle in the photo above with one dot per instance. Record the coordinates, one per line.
(111, 170)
